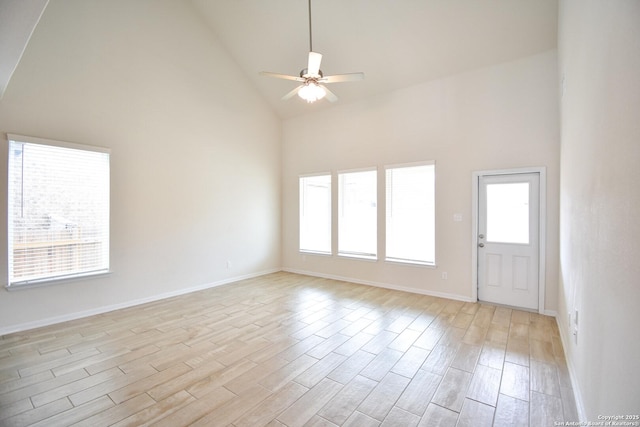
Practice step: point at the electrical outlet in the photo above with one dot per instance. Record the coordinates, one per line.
(228, 264)
(445, 276)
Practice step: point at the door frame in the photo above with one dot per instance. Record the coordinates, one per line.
(542, 227)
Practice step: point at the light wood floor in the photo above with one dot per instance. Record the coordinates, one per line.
(285, 349)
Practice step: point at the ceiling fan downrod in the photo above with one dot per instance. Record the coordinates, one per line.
(310, 38)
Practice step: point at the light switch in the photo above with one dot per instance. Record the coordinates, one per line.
(457, 217)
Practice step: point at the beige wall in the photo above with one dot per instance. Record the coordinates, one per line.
(197, 164)
(500, 117)
(599, 51)
(195, 161)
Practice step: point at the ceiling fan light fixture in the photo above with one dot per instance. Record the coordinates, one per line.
(311, 92)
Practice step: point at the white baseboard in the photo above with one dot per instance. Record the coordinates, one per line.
(99, 310)
(380, 285)
(582, 413)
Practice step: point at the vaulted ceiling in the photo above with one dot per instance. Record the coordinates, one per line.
(17, 21)
(396, 43)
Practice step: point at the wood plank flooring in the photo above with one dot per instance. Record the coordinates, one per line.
(290, 350)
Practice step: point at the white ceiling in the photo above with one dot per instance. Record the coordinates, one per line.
(396, 43)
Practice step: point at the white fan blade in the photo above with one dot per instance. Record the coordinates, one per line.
(292, 93)
(281, 76)
(330, 96)
(338, 78)
(313, 67)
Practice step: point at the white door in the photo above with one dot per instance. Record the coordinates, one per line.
(508, 239)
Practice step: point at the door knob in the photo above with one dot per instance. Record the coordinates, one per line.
(481, 245)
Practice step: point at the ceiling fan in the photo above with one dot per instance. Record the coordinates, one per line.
(313, 81)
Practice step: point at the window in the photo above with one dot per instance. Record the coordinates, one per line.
(357, 214)
(410, 209)
(58, 210)
(315, 213)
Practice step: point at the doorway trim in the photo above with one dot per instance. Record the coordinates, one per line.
(542, 228)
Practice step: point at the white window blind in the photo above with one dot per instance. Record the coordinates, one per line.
(357, 214)
(410, 211)
(58, 210)
(315, 213)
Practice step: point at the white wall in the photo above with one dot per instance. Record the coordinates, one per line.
(505, 116)
(195, 159)
(599, 51)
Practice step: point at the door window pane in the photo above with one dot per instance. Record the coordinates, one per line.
(508, 213)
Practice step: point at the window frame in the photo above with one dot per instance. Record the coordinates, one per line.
(56, 278)
(300, 207)
(385, 222)
(358, 255)
(382, 193)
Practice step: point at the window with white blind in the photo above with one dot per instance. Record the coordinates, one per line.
(410, 214)
(357, 214)
(58, 210)
(315, 214)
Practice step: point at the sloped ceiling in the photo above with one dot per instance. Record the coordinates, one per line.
(396, 43)
(18, 19)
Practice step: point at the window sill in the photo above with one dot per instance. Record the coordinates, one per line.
(39, 283)
(411, 263)
(371, 258)
(304, 252)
